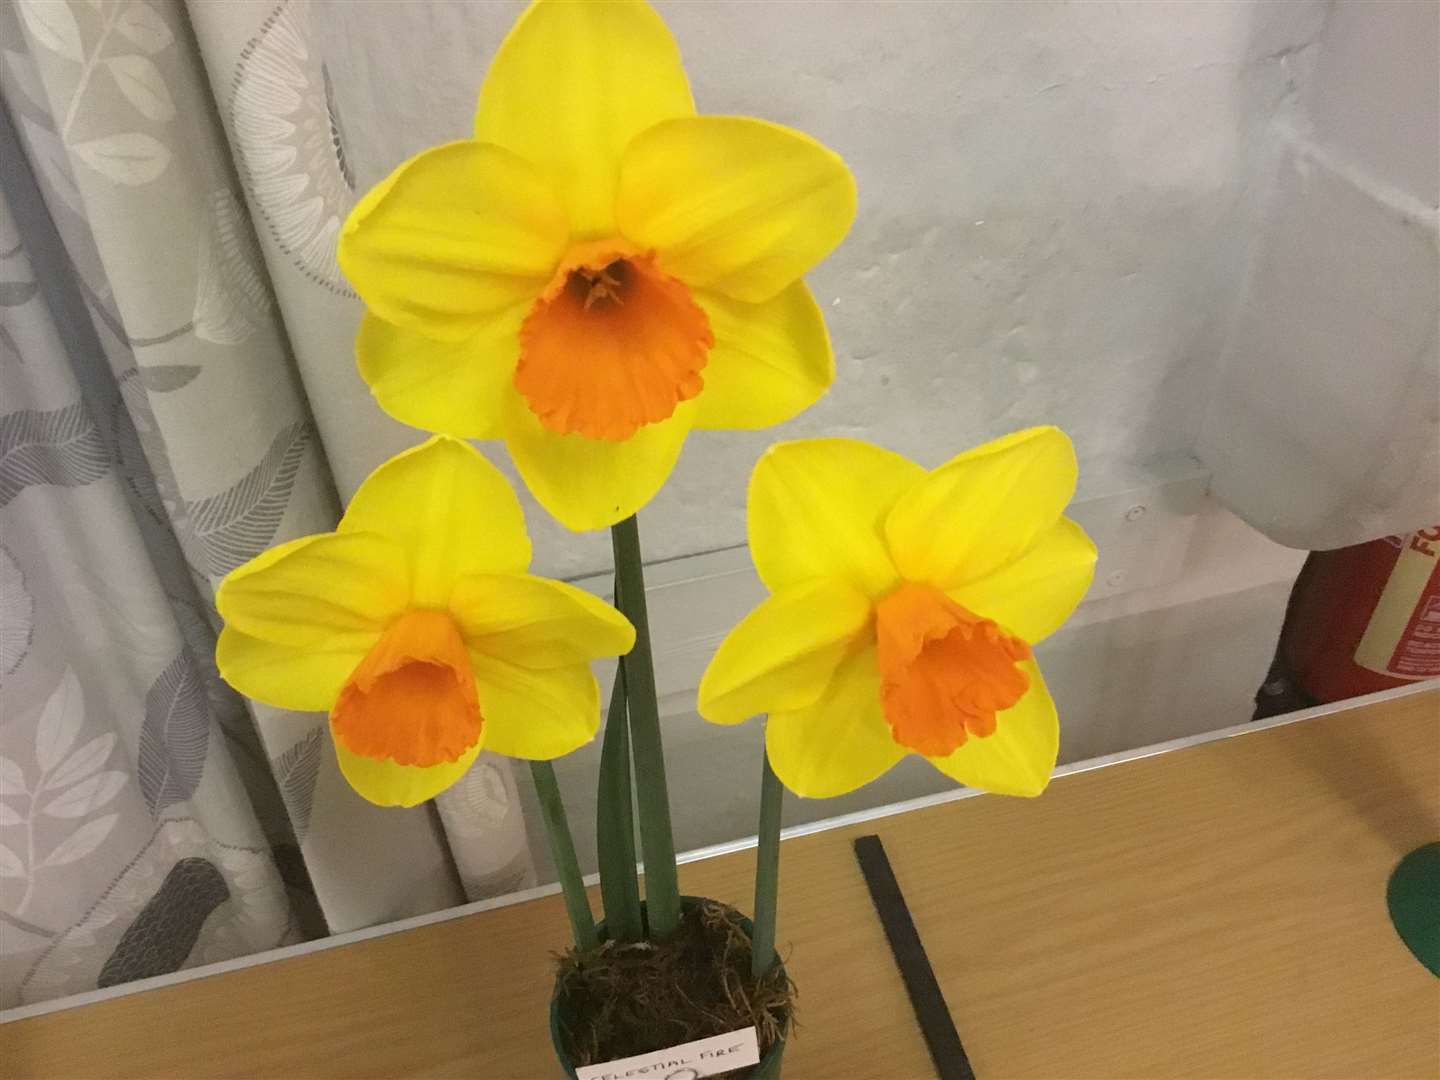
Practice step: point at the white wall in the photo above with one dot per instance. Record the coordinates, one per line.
(1324, 424)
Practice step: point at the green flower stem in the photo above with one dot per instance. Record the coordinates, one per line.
(767, 870)
(657, 843)
(562, 852)
(615, 822)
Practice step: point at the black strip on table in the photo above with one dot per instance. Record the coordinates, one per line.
(931, 1011)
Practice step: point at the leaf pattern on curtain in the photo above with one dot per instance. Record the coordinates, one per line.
(87, 795)
(169, 924)
(143, 86)
(54, 26)
(232, 299)
(163, 378)
(85, 761)
(175, 735)
(64, 784)
(107, 711)
(154, 433)
(240, 522)
(58, 446)
(142, 25)
(290, 145)
(148, 919)
(15, 293)
(17, 614)
(130, 157)
(298, 770)
(132, 461)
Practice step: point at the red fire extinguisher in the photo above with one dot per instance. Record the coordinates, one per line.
(1360, 619)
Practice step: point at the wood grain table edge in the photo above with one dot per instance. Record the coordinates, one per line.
(1043, 978)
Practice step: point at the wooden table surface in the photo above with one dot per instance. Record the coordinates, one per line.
(1214, 911)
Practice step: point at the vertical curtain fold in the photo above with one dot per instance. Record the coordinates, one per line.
(154, 434)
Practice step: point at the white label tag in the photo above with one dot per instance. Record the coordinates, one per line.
(688, 1061)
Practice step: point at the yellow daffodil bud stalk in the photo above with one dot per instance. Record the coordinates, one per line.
(598, 270)
(903, 610)
(416, 627)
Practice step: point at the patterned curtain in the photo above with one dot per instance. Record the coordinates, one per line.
(172, 186)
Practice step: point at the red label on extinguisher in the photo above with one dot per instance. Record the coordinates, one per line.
(1402, 639)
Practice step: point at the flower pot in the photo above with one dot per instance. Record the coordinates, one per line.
(560, 1013)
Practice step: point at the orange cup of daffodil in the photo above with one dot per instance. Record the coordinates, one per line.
(903, 610)
(598, 270)
(416, 627)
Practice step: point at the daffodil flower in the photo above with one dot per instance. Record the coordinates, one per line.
(416, 626)
(903, 607)
(598, 270)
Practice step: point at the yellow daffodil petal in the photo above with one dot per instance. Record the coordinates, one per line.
(335, 591)
(982, 509)
(782, 655)
(769, 361)
(454, 387)
(817, 508)
(839, 743)
(740, 206)
(537, 715)
(451, 511)
(1031, 596)
(286, 676)
(534, 622)
(387, 783)
(593, 483)
(1020, 756)
(569, 88)
(455, 235)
